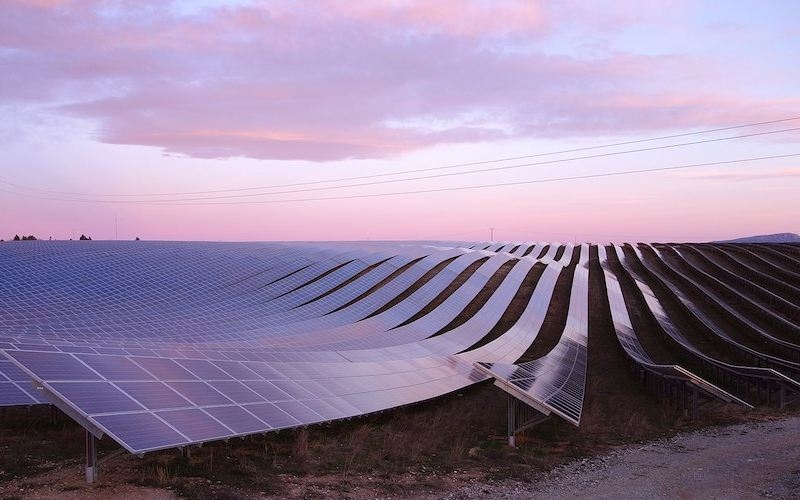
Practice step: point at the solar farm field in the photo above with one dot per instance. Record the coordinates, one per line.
(152, 346)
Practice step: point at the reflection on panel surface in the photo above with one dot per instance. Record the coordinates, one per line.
(161, 344)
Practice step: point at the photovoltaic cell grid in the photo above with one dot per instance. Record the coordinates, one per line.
(766, 367)
(555, 382)
(168, 344)
(623, 327)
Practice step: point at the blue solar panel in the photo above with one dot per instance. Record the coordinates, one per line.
(54, 366)
(165, 344)
(114, 367)
(236, 391)
(153, 395)
(164, 369)
(141, 431)
(200, 393)
(204, 369)
(237, 419)
(237, 370)
(195, 424)
(271, 415)
(12, 395)
(299, 411)
(267, 390)
(95, 397)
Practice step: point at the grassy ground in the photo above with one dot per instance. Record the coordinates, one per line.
(417, 449)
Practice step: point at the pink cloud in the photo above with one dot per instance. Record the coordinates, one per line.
(455, 17)
(781, 173)
(334, 79)
(41, 3)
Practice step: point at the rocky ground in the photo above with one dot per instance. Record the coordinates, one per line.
(753, 460)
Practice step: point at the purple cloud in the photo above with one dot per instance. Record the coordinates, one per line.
(332, 80)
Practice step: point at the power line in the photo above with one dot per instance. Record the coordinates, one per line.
(445, 189)
(414, 171)
(450, 174)
(491, 169)
(504, 184)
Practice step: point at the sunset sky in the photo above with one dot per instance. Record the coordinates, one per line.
(232, 120)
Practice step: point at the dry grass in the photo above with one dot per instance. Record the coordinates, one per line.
(428, 442)
(27, 436)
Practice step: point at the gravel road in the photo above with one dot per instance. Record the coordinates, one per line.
(755, 460)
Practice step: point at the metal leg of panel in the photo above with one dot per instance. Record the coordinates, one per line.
(687, 395)
(695, 397)
(91, 458)
(783, 396)
(677, 395)
(512, 424)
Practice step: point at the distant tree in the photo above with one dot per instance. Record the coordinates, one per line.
(16, 237)
(85, 238)
(137, 238)
(29, 238)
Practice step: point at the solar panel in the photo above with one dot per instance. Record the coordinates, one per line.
(556, 381)
(161, 344)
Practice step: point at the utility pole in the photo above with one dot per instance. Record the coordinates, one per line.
(115, 226)
(491, 234)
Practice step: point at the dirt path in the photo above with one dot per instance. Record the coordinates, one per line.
(755, 460)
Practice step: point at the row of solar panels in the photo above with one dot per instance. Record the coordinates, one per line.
(711, 297)
(318, 343)
(169, 344)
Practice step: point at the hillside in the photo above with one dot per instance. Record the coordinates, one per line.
(766, 238)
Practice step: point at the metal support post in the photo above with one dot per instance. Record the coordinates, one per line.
(783, 396)
(512, 424)
(91, 458)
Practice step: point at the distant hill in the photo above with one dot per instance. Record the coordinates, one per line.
(767, 238)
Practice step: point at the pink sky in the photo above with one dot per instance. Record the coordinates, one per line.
(108, 98)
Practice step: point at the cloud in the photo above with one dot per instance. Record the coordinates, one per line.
(781, 173)
(455, 17)
(334, 79)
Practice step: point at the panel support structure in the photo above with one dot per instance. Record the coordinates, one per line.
(91, 458)
(520, 417)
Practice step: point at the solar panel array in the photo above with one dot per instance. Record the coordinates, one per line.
(556, 381)
(168, 344)
(165, 344)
